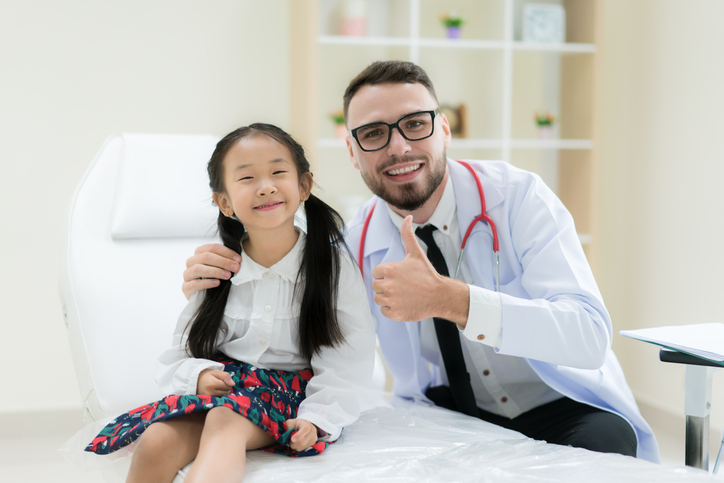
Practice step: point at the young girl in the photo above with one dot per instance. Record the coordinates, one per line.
(273, 358)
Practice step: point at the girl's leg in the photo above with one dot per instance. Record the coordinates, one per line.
(224, 441)
(164, 448)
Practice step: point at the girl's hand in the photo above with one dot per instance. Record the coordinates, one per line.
(305, 436)
(213, 382)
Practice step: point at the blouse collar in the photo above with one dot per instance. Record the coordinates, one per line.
(286, 268)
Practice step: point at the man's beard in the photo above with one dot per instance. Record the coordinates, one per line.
(405, 197)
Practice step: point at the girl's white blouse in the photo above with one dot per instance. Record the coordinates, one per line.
(260, 327)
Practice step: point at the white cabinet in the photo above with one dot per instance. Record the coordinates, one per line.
(500, 80)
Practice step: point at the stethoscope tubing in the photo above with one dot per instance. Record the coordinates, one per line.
(482, 217)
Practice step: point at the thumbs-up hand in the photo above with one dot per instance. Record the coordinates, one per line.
(411, 289)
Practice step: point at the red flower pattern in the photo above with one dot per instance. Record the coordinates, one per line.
(261, 394)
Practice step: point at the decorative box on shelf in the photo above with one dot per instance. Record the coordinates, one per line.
(544, 23)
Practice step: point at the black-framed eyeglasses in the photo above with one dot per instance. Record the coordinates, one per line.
(413, 127)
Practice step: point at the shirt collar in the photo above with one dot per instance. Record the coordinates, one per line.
(286, 268)
(443, 215)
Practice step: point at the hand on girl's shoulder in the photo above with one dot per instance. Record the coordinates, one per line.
(214, 382)
(209, 264)
(305, 436)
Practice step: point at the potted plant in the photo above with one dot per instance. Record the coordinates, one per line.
(452, 21)
(337, 117)
(544, 120)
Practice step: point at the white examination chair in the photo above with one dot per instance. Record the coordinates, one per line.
(139, 212)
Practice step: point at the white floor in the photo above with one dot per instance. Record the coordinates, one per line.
(30, 456)
(36, 459)
(29, 448)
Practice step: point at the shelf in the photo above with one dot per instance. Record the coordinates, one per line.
(476, 143)
(362, 41)
(500, 78)
(567, 48)
(462, 44)
(551, 144)
(490, 143)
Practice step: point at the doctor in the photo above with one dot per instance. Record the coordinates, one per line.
(534, 356)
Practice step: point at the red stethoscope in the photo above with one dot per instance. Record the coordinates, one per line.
(481, 217)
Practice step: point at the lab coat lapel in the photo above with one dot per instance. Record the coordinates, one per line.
(384, 245)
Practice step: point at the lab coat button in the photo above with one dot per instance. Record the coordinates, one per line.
(481, 337)
(268, 308)
(486, 372)
(504, 399)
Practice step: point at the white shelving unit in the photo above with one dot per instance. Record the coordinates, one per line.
(514, 78)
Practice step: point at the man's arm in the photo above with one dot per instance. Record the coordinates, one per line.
(209, 264)
(552, 310)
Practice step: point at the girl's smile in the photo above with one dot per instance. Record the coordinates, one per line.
(269, 206)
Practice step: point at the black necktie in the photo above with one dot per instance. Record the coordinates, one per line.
(448, 338)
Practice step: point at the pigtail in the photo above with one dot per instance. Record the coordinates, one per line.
(203, 328)
(321, 266)
(204, 325)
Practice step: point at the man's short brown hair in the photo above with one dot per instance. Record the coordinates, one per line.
(388, 72)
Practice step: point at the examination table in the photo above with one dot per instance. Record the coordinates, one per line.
(139, 212)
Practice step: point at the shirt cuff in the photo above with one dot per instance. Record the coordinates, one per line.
(186, 380)
(485, 317)
(327, 431)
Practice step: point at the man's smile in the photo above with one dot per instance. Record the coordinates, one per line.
(403, 172)
(406, 169)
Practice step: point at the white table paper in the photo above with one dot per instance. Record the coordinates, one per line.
(701, 340)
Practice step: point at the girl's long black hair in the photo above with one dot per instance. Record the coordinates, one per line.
(319, 273)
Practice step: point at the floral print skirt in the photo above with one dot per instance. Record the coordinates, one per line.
(267, 398)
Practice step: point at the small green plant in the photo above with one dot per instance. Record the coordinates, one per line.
(544, 118)
(451, 19)
(337, 116)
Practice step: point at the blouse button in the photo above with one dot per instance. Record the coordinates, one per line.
(268, 308)
(262, 341)
(270, 275)
(481, 337)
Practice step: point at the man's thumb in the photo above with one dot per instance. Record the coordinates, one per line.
(409, 240)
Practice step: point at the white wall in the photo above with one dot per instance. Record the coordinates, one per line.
(75, 72)
(662, 166)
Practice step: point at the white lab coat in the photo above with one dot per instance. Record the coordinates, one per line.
(553, 313)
